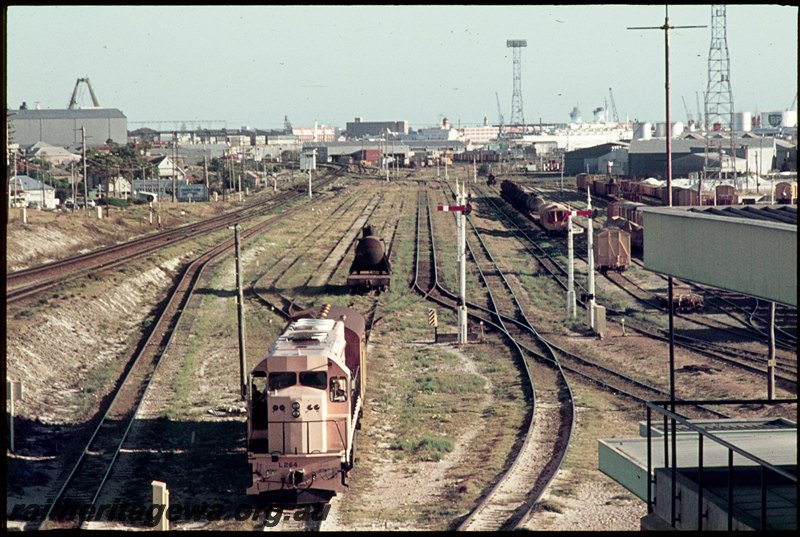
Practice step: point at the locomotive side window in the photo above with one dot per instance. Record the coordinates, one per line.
(314, 379)
(259, 394)
(282, 379)
(259, 384)
(338, 389)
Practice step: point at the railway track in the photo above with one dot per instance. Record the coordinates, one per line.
(753, 362)
(284, 298)
(551, 414)
(81, 483)
(750, 315)
(31, 281)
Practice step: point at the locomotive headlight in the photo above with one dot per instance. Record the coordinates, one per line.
(274, 408)
(296, 413)
(316, 407)
(310, 407)
(283, 408)
(296, 405)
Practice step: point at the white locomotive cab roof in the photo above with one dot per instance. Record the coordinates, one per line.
(313, 324)
(310, 329)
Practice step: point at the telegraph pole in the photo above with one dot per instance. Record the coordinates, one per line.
(175, 167)
(590, 258)
(205, 173)
(85, 178)
(666, 27)
(240, 311)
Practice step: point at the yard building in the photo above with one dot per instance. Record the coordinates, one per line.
(63, 127)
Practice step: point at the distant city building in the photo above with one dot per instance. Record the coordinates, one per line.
(360, 128)
(478, 135)
(63, 127)
(317, 133)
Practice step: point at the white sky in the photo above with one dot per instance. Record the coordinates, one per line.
(253, 65)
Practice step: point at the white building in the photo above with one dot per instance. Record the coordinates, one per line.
(27, 191)
(167, 168)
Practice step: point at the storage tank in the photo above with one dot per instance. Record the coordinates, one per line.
(675, 131)
(743, 121)
(641, 131)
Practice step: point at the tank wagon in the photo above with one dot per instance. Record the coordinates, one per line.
(612, 250)
(370, 268)
(305, 402)
(786, 192)
(491, 180)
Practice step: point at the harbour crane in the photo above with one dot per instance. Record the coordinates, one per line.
(613, 106)
(688, 113)
(74, 100)
(499, 113)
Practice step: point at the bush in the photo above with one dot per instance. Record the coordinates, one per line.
(116, 202)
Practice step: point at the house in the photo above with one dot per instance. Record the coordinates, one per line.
(27, 192)
(56, 155)
(167, 168)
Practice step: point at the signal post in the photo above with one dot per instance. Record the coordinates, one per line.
(463, 208)
(571, 272)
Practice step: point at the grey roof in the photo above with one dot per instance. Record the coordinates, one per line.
(595, 151)
(785, 214)
(77, 113)
(659, 145)
(28, 183)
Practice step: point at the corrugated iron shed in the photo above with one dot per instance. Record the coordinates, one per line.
(748, 249)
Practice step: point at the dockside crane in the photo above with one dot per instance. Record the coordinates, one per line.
(500, 114)
(688, 113)
(613, 106)
(74, 100)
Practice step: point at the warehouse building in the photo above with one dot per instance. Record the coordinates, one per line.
(63, 127)
(360, 128)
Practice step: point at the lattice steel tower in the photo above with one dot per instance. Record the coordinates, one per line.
(719, 97)
(517, 118)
